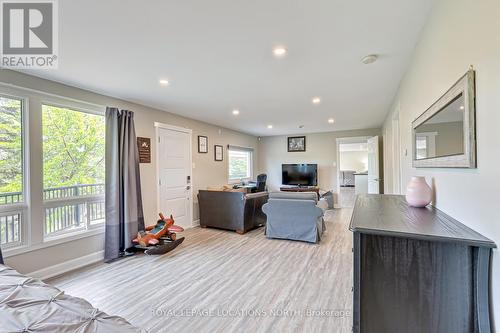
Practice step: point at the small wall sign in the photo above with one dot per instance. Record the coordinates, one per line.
(144, 145)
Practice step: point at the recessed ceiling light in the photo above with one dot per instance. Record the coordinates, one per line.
(164, 82)
(316, 100)
(369, 59)
(236, 112)
(462, 107)
(331, 120)
(270, 126)
(279, 51)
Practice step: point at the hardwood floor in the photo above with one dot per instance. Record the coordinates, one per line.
(219, 281)
(347, 197)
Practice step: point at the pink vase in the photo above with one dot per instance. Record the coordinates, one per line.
(418, 193)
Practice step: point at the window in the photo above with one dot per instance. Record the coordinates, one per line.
(60, 192)
(425, 145)
(12, 194)
(73, 169)
(240, 163)
(421, 147)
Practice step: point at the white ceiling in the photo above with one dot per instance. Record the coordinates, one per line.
(217, 56)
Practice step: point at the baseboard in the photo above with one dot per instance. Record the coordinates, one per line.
(64, 267)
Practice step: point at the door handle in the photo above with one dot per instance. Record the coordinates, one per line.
(188, 187)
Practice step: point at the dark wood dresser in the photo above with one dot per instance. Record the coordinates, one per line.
(417, 269)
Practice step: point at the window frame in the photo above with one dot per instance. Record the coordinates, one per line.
(87, 225)
(250, 151)
(21, 208)
(32, 225)
(430, 144)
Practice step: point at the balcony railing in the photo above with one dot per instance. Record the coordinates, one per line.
(10, 221)
(72, 191)
(73, 207)
(11, 198)
(10, 229)
(67, 208)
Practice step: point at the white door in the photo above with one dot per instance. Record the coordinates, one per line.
(174, 175)
(373, 165)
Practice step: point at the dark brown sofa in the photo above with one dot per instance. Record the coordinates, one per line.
(232, 210)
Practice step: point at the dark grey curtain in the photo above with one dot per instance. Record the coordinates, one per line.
(124, 215)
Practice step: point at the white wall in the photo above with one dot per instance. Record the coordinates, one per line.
(321, 148)
(354, 160)
(459, 33)
(207, 172)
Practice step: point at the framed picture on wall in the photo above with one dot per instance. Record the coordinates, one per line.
(202, 144)
(218, 153)
(296, 143)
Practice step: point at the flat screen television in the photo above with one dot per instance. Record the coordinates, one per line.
(299, 174)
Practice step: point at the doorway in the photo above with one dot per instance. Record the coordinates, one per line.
(358, 168)
(174, 172)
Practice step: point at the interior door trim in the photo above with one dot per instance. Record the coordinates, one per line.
(189, 131)
(338, 142)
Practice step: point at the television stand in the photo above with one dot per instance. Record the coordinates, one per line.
(300, 189)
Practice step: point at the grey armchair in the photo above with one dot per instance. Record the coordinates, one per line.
(294, 216)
